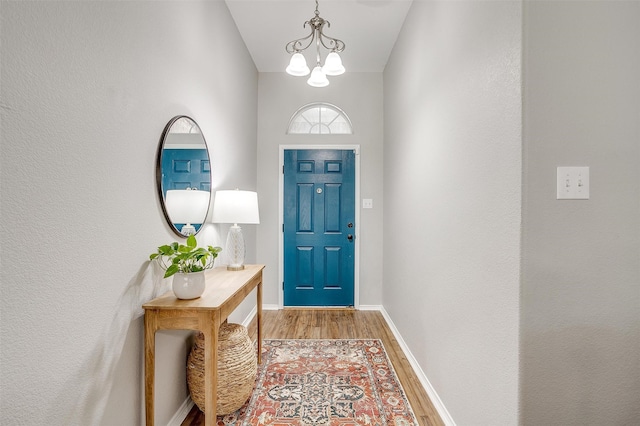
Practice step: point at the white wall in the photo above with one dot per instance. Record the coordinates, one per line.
(452, 185)
(359, 95)
(580, 325)
(86, 89)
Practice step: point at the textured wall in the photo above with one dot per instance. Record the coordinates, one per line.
(86, 89)
(581, 259)
(452, 167)
(360, 96)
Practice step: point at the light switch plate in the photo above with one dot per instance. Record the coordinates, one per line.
(572, 183)
(367, 203)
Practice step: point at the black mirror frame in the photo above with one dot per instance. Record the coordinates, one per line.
(163, 138)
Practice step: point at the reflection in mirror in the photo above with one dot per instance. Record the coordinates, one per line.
(183, 175)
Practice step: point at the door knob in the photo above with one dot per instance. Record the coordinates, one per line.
(350, 237)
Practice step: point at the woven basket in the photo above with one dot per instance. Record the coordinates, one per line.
(237, 369)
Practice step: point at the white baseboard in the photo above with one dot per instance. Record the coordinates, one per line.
(254, 312)
(249, 317)
(370, 308)
(433, 395)
(270, 307)
(182, 412)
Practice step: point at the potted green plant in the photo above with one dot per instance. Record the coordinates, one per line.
(186, 263)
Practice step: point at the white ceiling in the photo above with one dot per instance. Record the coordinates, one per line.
(368, 28)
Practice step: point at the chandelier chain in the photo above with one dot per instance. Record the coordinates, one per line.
(316, 24)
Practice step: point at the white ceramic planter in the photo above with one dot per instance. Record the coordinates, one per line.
(188, 286)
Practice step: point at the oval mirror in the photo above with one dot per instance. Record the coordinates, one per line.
(183, 175)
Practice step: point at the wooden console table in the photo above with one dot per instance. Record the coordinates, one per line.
(224, 292)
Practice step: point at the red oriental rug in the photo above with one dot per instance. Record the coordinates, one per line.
(324, 382)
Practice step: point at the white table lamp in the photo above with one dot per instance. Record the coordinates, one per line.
(187, 206)
(235, 206)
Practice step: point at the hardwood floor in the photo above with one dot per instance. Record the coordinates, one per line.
(342, 324)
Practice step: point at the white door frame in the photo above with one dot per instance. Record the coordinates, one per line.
(356, 260)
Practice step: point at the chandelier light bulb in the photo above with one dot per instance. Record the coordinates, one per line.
(318, 78)
(333, 65)
(298, 65)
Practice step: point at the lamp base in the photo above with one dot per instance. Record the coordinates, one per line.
(235, 249)
(188, 229)
(235, 267)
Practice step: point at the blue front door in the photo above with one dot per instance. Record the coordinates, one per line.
(319, 227)
(185, 168)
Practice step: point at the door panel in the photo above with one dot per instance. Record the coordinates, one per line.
(304, 266)
(305, 208)
(319, 214)
(186, 168)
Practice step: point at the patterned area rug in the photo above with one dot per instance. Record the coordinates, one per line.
(324, 382)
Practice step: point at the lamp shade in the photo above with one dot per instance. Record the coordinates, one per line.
(235, 206)
(187, 205)
(333, 65)
(298, 65)
(318, 78)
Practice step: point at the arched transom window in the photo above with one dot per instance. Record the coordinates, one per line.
(320, 119)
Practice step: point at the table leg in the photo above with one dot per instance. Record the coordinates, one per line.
(259, 322)
(150, 327)
(211, 373)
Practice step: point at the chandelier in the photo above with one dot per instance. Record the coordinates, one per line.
(333, 63)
